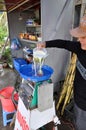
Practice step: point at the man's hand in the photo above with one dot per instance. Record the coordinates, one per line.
(41, 45)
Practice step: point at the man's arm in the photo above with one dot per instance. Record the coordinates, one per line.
(72, 46)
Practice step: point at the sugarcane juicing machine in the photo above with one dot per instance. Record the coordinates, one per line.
(36, 107)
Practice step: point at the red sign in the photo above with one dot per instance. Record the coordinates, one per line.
(22, 121)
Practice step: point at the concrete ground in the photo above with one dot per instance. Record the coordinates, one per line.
(9, 79)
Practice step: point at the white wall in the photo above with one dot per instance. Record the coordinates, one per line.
(57, 18)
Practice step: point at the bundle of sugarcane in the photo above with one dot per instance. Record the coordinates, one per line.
(67, 89)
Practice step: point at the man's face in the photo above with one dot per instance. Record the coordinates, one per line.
(82, 41)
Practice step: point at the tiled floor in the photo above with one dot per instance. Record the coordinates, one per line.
(9, 78)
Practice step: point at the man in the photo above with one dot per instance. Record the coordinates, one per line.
(79, 48)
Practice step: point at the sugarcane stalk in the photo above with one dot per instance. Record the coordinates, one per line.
(63, 92)
(66, 98)
(71, 94)
(70, 88)
(68, 79)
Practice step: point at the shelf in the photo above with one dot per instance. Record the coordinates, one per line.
(29, 41)
(33, 26)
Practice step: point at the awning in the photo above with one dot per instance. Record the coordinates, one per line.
(17, 5)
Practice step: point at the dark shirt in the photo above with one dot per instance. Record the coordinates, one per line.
(79, 82)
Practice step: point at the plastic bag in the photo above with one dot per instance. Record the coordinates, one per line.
(15, 44)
